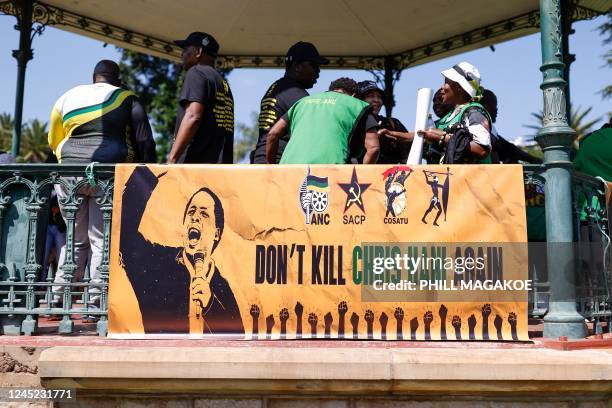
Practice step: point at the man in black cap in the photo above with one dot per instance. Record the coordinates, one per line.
(204, 131)
(301, 72)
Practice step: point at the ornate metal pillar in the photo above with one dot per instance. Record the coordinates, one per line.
(24, 10)
(555, 138)
(567, 11)
(390, 72)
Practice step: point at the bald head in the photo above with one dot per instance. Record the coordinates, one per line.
(107, 71)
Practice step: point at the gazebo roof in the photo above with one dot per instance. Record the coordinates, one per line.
(355, 33)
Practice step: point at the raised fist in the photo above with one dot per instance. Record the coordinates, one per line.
(456, 322)
(369, 316)
(299, 309)
(414, 325)
(486, 311)
(269, 326)
(497, 322)
(254, 311)
(512, 319)
(355, 324)
(328, 319)
(428, 317)
(313, 319)
(471, 326)
(283, 315)
(342, 308)
(442, 312)
(383, 319)
(399, 313)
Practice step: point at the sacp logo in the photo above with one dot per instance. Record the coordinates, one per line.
(354, 197)
(314, 198)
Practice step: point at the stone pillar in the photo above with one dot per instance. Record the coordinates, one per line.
(555, 138)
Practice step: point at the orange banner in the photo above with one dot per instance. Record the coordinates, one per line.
(275, 252)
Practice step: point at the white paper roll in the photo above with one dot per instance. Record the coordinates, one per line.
(422, 109)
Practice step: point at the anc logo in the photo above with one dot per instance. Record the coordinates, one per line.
(314, 198)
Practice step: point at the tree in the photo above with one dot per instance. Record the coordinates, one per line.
(34, 142)
(246, 138)
(157, 83)
(6, 131)
(578, 123)
(606, 30)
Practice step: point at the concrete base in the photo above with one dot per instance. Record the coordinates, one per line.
(311, 376)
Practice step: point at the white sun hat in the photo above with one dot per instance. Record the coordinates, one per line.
(466, 75)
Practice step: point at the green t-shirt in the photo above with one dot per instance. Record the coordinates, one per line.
(595, 154)
(320, 127)
(595, 159)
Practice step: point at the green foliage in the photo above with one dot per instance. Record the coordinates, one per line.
(245, 139)
(606, 30)
(157, 83)
(581, 126)
(34, 142)
(534, 150)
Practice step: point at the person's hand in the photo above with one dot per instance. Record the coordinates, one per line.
(386, 133)
(342, 308)
(200, 291)
(431, 135)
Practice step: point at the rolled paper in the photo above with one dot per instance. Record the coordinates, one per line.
(422, 109)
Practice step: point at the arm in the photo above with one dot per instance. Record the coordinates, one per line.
(278, 130)
(372, 147)
(144, 145)
(136, 194)
(187, 130)
(395, 134)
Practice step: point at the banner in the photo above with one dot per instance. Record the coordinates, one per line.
(284, 252)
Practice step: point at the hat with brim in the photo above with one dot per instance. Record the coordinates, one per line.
(466, 75)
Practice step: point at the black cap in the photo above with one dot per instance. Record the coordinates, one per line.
(364, 87)
(198, 39)
(304, 51)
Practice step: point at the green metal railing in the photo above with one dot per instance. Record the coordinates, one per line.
(591, 226)
(24, 210)
(26, 299)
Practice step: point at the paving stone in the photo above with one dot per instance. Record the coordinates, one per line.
(307, 403)
(228, 403)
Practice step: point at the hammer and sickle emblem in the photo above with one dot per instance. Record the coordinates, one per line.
(356, 196)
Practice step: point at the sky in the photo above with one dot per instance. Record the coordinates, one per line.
(63, 60)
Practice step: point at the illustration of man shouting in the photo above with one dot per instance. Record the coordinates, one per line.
(179, 290)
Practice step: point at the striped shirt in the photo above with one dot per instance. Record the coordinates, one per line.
(100, 122)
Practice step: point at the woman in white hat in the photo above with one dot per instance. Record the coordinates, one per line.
(468, 118)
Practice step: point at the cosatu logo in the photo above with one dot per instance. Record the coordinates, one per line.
(314, 198)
